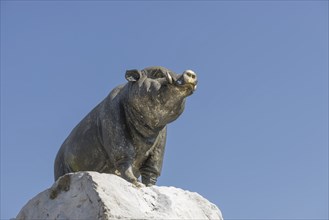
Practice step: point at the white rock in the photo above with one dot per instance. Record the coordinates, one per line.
(91, 195)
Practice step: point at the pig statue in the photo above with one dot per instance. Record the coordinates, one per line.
(125, 134)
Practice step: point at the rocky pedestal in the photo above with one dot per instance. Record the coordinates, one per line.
(91, 195)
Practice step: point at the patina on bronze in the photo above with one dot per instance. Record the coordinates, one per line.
(125, 134)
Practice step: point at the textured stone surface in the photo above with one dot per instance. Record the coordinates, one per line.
(91, 195)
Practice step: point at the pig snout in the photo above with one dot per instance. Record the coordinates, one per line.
(188, 77)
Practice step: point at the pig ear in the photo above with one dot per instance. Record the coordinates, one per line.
(133, 75)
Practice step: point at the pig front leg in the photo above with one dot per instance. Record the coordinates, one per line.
(151, 168)
(126, 172)
(149, 173)
(121, 156)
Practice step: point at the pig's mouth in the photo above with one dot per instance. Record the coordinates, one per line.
(180, 82)
(190, 86)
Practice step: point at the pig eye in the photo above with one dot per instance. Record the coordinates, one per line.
(158, 75)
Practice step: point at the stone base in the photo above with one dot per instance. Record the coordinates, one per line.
(91, 195)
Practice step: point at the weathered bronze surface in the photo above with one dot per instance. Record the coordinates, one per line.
(125, 134)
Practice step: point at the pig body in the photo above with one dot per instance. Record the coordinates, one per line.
(126, 133)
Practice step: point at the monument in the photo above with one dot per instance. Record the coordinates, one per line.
(126, 133)
(98, 166)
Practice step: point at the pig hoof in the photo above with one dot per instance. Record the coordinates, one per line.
(138, 184)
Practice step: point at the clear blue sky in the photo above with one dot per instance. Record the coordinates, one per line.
(253, 138)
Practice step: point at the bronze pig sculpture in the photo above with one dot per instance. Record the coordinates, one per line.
(125, 134)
